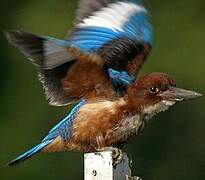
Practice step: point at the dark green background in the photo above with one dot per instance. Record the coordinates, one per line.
(172, 146)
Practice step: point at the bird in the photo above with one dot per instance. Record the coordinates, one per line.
(95, 70)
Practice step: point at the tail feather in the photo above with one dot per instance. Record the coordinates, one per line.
(29, 153)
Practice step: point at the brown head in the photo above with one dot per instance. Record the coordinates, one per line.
(156, 92)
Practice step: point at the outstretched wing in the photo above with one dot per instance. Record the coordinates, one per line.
(108, 44)
(118, 31)
(116, 36)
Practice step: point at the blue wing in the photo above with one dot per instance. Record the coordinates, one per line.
(109, 24)
(110, 19)
(118, 31)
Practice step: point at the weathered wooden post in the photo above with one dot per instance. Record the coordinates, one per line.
(99, 166)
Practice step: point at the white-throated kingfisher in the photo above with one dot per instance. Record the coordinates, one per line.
(95, 68)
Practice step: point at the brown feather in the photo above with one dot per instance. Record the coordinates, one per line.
(87, 80)
(57, 145)
(99, 124)
(135, 64)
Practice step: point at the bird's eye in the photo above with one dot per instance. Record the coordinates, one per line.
(153, 90)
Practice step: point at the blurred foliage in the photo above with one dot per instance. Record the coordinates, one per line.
(172, 146)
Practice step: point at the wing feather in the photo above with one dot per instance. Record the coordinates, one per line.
(118, 31)
(87, 7)
(107, 34)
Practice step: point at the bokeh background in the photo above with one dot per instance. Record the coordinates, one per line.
(172, 146)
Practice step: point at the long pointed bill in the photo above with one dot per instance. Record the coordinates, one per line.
(178, 94)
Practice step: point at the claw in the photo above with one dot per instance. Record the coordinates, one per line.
(117, 154)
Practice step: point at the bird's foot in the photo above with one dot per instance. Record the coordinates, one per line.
(133, 178)
(117, 154)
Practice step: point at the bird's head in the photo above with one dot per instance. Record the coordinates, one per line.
(156, 92)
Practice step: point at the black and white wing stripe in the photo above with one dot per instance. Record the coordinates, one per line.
(87, 7)
(119, 31)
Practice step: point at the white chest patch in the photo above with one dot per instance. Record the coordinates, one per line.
(152, 110)
(114, 16)
(133, 125)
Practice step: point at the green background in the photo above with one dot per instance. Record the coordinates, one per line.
(171, 147)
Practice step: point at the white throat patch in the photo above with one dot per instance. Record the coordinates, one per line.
(152, 110)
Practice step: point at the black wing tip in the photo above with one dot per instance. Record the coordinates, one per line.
(11, 35)
(14, 37)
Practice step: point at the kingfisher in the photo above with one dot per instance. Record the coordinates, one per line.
(95, 69)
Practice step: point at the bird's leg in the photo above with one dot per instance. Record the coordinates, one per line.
(100, 141)
(117, 154)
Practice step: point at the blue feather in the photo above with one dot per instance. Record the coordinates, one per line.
(89, 36)
(140, 27)
(120, 78)
(63, 127)
(29, 153)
